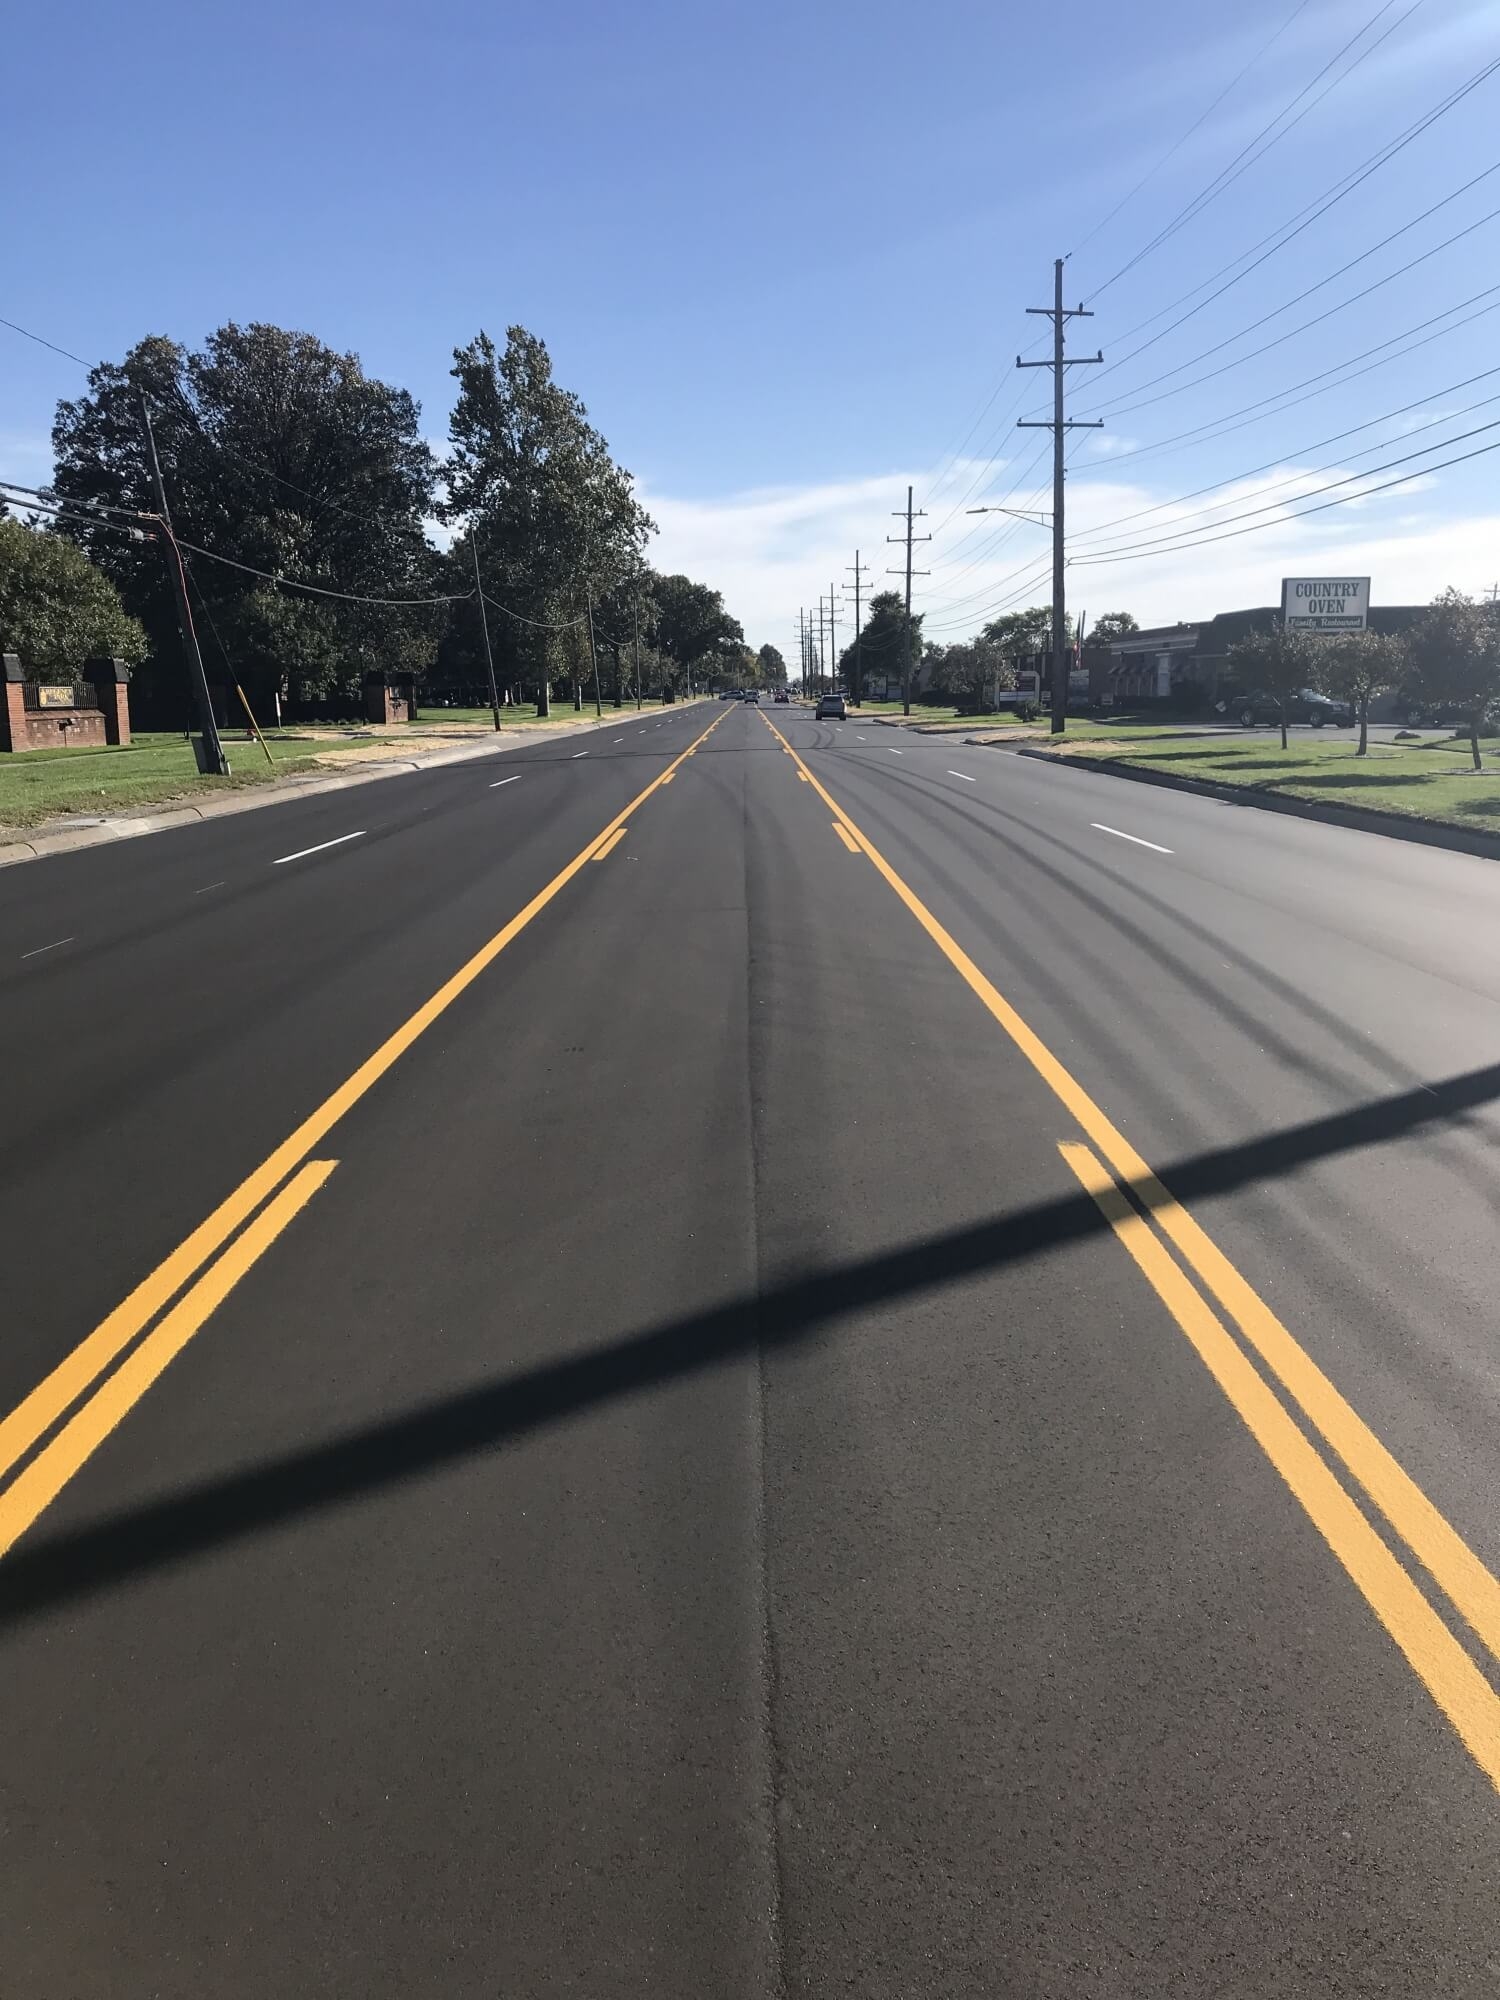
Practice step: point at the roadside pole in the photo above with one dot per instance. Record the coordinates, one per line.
(594, 657)
(211, 757)
(911, 516)
(635, 627)
(484, 624)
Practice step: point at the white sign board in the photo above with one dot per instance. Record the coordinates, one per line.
(1325, 603)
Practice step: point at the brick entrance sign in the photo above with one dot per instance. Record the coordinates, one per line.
(64, 714)
(390, 698)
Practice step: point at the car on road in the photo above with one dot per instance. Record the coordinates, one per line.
(751, 696)
(729, 694)
(782, 695)
(1251, 706)
(831, 704)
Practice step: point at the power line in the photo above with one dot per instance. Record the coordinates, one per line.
(319, 590)
(1272, 506)
(1249, 472)
(537, 624)
(1202, 118)
(1304, 218)
(1227, 175)
(1256, 412)
(1287, 304)
(27, 334)
(1322, 507)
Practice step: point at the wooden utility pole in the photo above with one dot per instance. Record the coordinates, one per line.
(484, 626)
(859, 665)
(211, 758)
(920, 514)
(1059, 426)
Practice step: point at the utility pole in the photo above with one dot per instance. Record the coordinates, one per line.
(833, 644)
(1059, 427)
(822, 653)
(484, 625)
(594, 656)
(859, 668)
(211, 757)
(919, 515)
(635, 628)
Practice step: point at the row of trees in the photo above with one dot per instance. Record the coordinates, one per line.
(1449, 661)
(311, 485)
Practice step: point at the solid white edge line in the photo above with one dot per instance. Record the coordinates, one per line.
(303, 852)
(1135, 838)
(514, 779)
(961, 774)
(37, 952)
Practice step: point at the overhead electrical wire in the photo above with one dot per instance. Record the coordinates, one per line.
(1388, 416)
(1256, 412)
(1202, 119)
(1297, 298)
(1322, 507)
(1286, 232)
(1165, 541)
(1247, 154)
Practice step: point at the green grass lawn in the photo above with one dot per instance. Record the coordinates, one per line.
(40, 784)
(1430, 780)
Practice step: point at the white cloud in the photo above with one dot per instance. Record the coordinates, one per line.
(771, 550)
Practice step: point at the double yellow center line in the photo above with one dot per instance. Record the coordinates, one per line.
(39, 1483)
(1132, 1200)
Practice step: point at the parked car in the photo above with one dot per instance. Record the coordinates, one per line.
(1250, 706)
(831, 704)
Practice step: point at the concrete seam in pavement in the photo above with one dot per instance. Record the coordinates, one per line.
(99, 833)
(1363, 819)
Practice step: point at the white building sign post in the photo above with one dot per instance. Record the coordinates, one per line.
(1325, 603)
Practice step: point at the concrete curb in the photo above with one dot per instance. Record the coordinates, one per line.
(131, 826)
(1362, 819)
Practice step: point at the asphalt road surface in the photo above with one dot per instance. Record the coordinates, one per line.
(789, 1361)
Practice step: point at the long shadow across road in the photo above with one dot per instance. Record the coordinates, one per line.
(216, 1513)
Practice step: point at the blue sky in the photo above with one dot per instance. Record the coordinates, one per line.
(783, 254)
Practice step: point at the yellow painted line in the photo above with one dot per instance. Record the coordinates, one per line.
(846, 836)
(46, 1403)
(1471, 1587)
(807, 780)
(609, 846)
(80, 1437)
(1432, 1652)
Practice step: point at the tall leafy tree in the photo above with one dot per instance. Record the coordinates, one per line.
(881, 640)
(1110, 626)
(553, 516)
(278, 453)
(58, 609)
(1455, 656)
(693, 630)
(772, 666)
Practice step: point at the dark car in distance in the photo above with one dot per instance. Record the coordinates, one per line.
(1250, 706)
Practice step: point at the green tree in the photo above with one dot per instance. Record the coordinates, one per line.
(1020, 634)
(1455, 656)
(554, 517)
(973, 669)
(883, 639)
(1111, 626)
(56, 608)
(772, 666)
(694, 630)
(1358, 666)
(1278, 663)
(278, 453)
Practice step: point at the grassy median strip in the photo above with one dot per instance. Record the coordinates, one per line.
(1433, 780)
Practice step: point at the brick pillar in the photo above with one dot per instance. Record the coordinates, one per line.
(111, 682)
(378, 707)
(13, 731)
